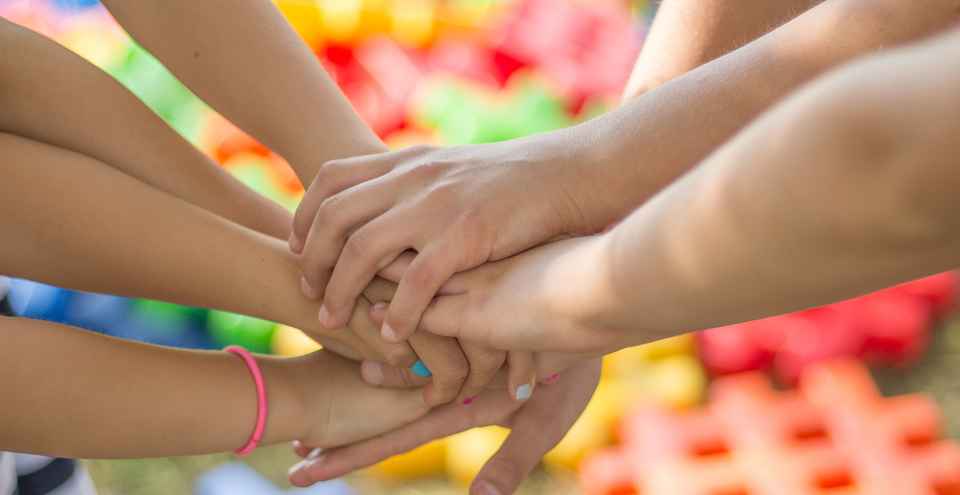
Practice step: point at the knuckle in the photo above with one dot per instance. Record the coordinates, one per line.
(456, 375)
(329, 215)
(429, 169)
(358, 245)
(329, 170)
(400, 357)
(422, 276)
(444, 194)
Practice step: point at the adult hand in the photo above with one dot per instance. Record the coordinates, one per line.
(457, 207)
(536, 427)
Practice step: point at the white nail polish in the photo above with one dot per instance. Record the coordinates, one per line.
(314, 453)
(296, 467)
(524, 391)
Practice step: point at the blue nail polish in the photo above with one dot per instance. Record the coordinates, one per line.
(421, 369)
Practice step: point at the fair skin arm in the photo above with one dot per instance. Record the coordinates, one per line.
(90, 404)
(140, 144)
(689, 33)
(574, 181)
(253, 68)
(845, 188)
(78, 223)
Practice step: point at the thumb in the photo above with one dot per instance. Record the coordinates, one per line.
(519, 455)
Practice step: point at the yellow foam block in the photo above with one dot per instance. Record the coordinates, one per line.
(593, 430)
(340, 19)
(423, 462)
(288, 341)
(628, 360)
(412, 22)
(677, 381)
(467, 452)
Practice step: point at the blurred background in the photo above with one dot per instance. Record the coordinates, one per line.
(789, 402)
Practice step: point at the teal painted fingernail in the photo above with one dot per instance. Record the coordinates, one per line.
(421, 369)
(524, 392)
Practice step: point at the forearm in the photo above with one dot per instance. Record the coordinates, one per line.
(846, 188)
(635, 151)
(76, 223)
(64, 396)
(254, 69)
(138, 142)
(689, 33)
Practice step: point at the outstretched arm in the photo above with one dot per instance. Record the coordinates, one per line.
(689, 33)
(252, 67)
(847, 187)
(75, 222)
(90, 113)
(105, 397)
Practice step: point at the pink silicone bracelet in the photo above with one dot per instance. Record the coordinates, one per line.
(261, 398)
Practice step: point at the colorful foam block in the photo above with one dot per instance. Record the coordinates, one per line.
(836, 434)
(891, 326)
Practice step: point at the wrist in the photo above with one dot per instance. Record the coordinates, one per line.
(596, 177)
(583, 299)
(308, 155)
(286, 401)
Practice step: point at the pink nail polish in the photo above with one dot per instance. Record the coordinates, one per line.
(325, 318)
(469, 400)
(552, 379)
(388, 333)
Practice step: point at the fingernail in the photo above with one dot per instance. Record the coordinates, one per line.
(388, 333)
(469, 400)
(307, 290)
(372, 372)
(296, 245)
(486, 488)
(550, 380)
(379, 308)
(524, 392)
(297, 475)
(325, 318)
(421, 369)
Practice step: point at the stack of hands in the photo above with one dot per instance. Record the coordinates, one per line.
(468, 297)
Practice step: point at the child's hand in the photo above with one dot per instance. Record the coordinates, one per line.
(457, 207)
(338, 407)
(548, 299)
(536, 427)
(487, 368)
(458, 370)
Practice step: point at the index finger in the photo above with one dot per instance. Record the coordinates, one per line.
(490, 408)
